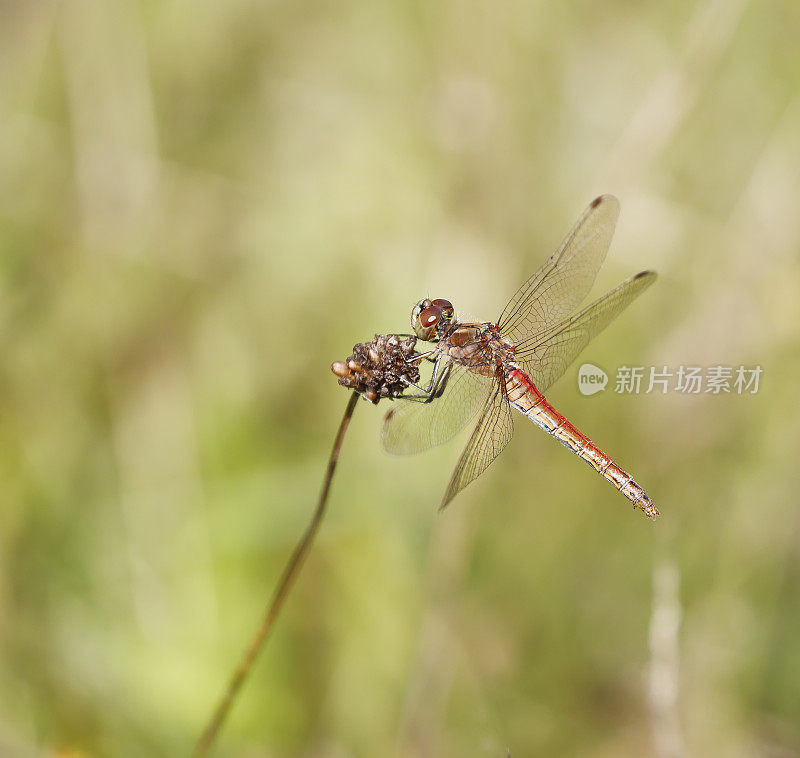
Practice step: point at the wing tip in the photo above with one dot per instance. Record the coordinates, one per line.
(650, 275)
(607, 199)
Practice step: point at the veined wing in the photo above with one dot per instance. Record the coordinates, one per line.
(490, 436)
(546, 356)
(565, 279)
(412, 427)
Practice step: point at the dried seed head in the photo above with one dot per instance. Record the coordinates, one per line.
(379, 368)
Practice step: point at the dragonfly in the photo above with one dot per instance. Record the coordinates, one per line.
(482, 371)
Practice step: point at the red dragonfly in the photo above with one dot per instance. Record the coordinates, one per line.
(482, 370)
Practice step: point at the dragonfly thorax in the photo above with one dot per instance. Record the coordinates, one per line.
(478, 346)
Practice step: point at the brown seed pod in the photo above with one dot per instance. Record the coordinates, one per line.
(340, 368)
(379, 368)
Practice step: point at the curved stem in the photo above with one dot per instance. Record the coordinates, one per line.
(290, 573)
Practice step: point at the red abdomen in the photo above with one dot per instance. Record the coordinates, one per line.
(523, 395)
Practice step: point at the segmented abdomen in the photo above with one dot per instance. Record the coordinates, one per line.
(523, 395)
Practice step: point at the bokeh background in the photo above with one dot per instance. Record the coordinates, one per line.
(203, 204)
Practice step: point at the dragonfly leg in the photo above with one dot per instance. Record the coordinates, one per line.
(417, 356)
(420, 356)
(435, 387)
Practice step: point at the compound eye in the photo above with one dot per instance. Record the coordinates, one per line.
(446, 307)
(430, 316)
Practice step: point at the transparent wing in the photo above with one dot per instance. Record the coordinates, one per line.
(412, 427)
(546, 356)
(490, 436)
(565, 279)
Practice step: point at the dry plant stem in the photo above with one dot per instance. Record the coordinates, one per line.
(290, 573)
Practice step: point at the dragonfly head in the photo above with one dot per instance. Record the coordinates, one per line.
(430, 317)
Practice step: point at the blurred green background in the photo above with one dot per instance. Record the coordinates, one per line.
(203, 204)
